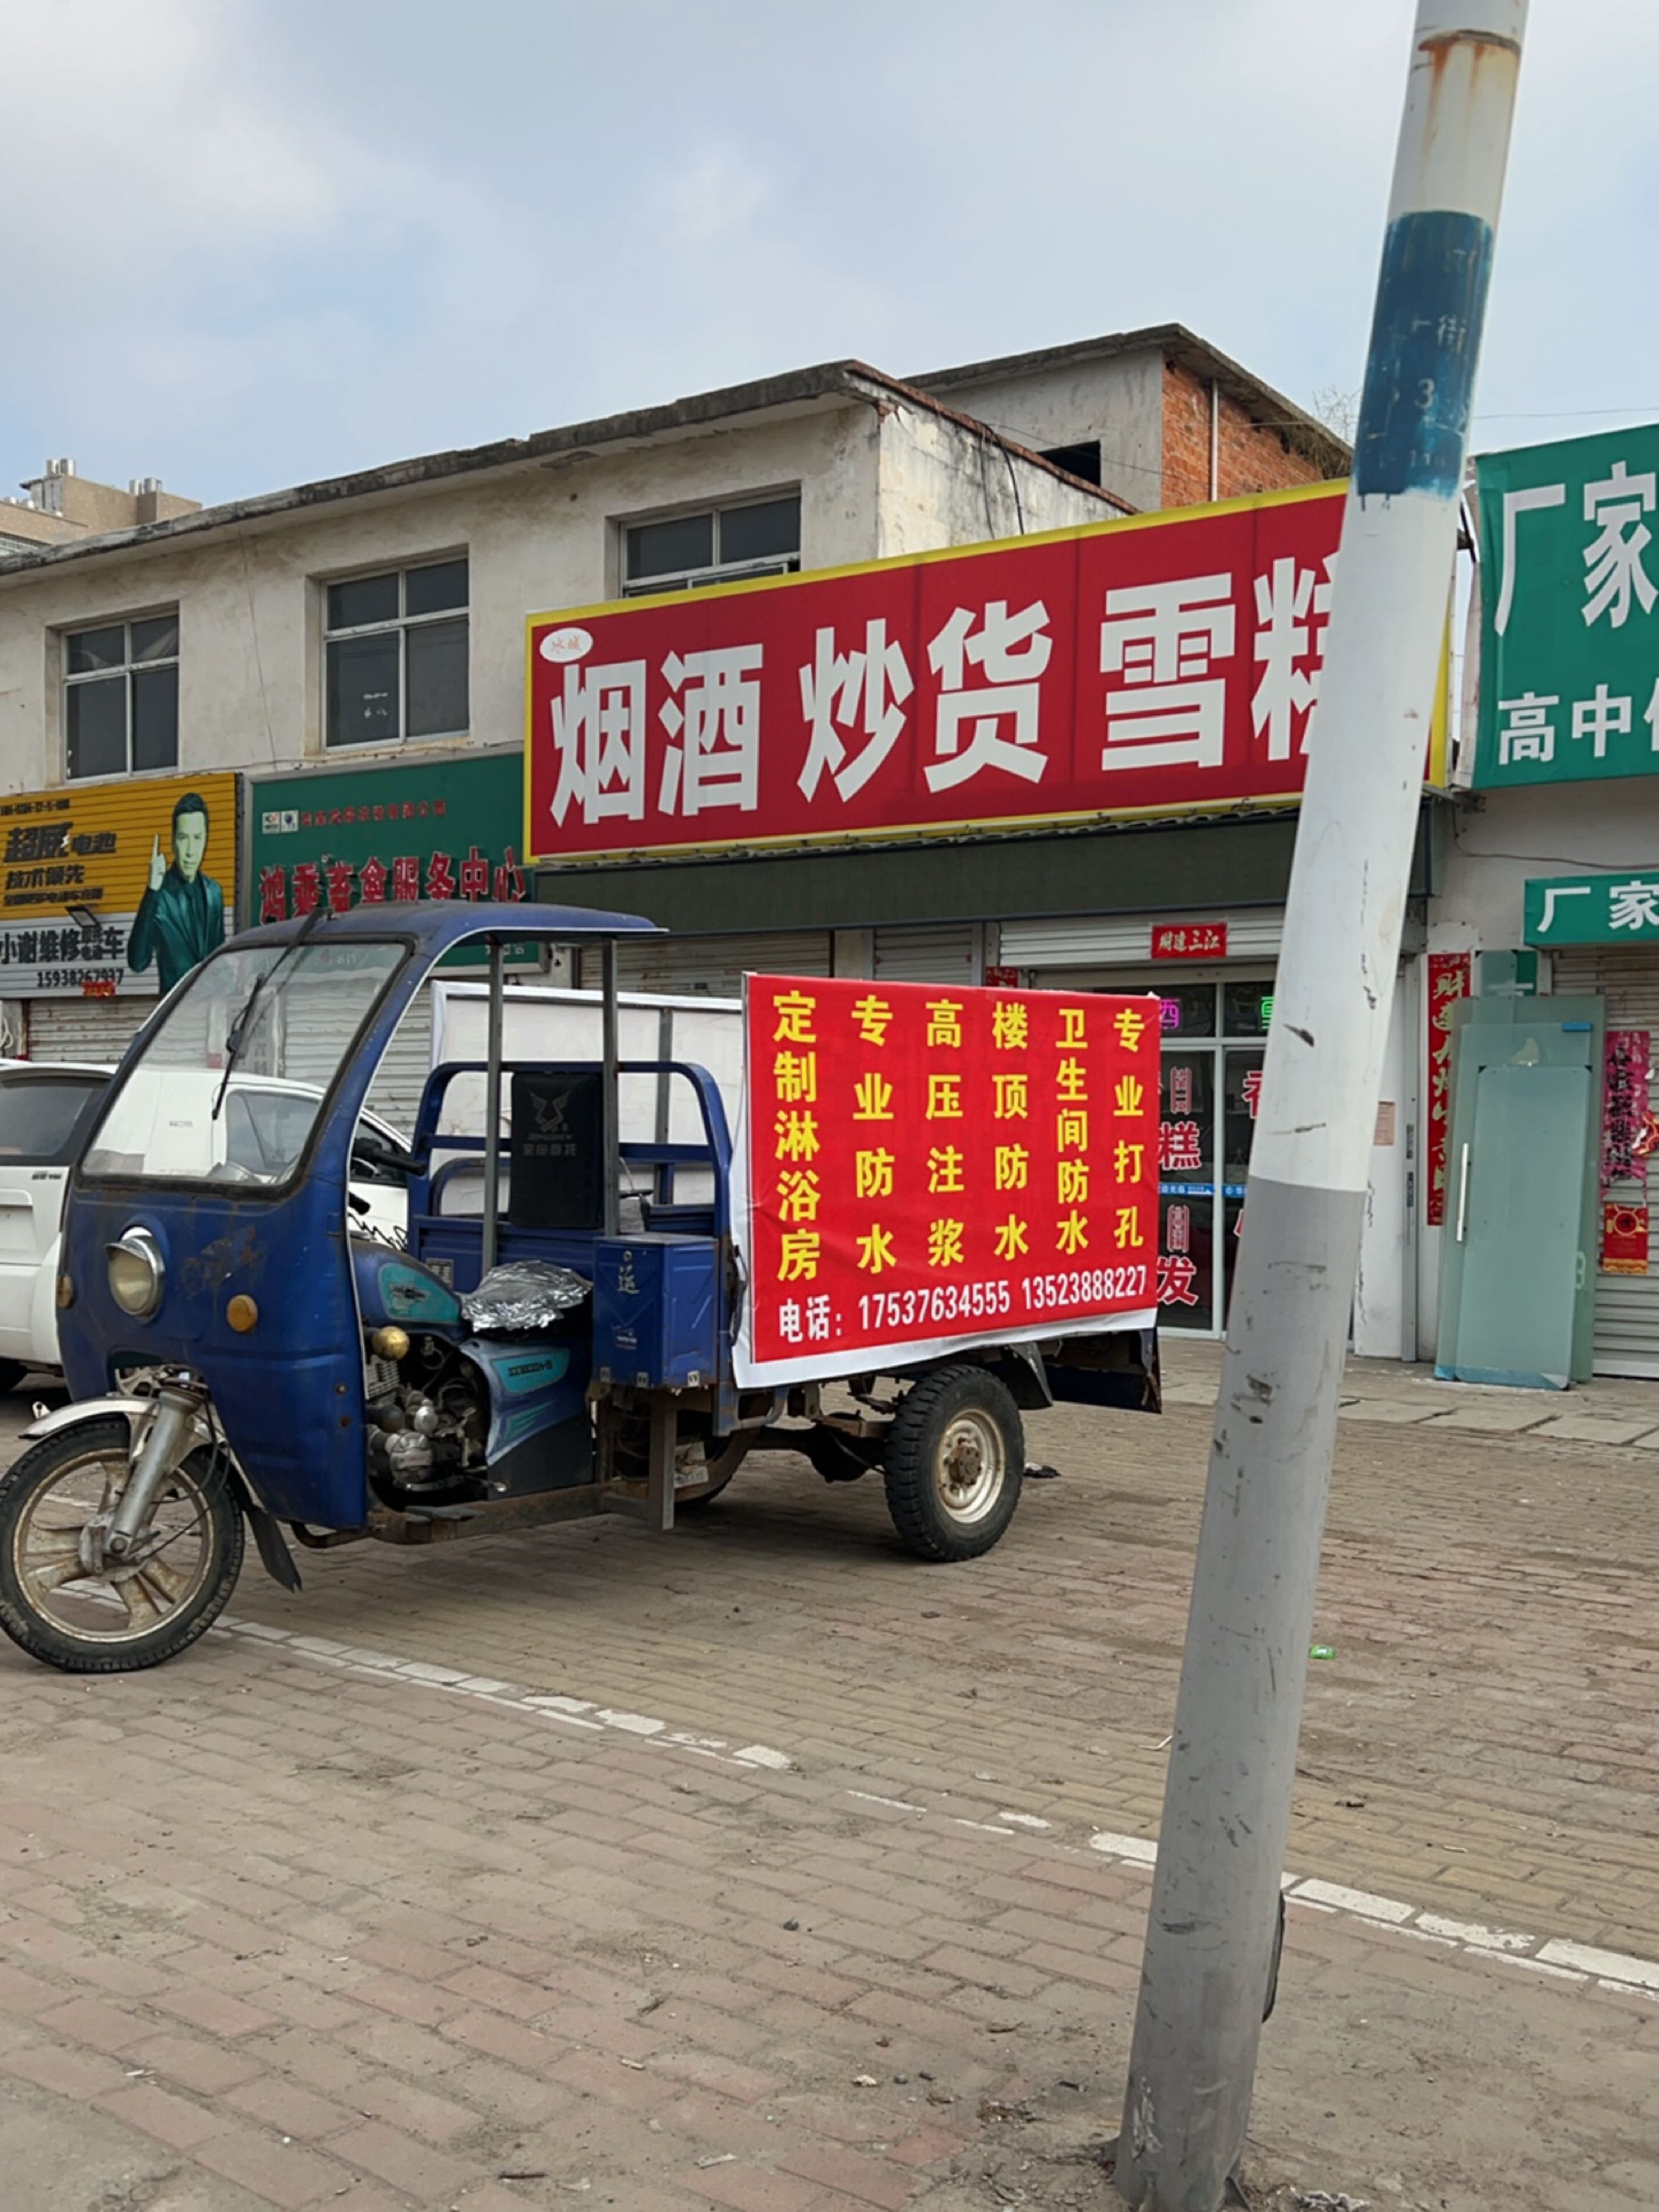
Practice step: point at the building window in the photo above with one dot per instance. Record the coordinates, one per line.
(121, 697)
(396, 653)
(685, 551)
(1083, 461)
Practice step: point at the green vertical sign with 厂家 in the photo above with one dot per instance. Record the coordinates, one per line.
(1569, 623)
(349, 838)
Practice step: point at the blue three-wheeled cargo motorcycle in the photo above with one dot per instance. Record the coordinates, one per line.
(553, 1338)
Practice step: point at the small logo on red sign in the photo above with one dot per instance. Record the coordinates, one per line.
(1002, 979)
(1189, 940)
(97, 986)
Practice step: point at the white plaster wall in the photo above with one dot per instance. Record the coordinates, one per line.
(942, 484)
(537, 537)
(1509, 836)
(1121, 402)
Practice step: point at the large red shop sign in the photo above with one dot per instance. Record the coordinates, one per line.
(1158, 666)
(923, 1167)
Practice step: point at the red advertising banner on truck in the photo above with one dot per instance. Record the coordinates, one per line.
(923, 1167)
(1164, 665)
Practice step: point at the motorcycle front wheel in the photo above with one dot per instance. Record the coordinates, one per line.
(69, 1607)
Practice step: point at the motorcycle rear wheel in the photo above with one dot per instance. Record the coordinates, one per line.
(111, 1619)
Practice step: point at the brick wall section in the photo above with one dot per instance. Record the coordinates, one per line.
(1251, 458)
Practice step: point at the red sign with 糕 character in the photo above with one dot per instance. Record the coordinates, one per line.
(1166, 664)
(923, 1166)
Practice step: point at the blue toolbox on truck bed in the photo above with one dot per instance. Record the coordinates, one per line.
(654, 1299)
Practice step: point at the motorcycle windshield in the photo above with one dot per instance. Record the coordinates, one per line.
(229, 1087)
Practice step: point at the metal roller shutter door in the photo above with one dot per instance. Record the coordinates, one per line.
(929, 956)
(95, 1031)
(99, 1030)
(1115, 939)
(313, 1051)
(395, 1094)
(676, 966)
(1626, 1306)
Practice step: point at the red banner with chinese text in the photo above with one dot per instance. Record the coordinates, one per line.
(1164, 664)
(921, 1167)
(1626, 1077)
(1623, 1239)
(1189, 940)
(1448, 982)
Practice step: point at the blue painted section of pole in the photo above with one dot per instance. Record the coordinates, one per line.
(1226, 1810)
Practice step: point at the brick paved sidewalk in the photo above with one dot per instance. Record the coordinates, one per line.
(339, 1939)
(310, 1928)
(1609, 1411)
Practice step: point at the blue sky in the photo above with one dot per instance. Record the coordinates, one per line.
(253, 241)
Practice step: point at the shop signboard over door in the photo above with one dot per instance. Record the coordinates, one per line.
(111, 890)
(1568, 627)
(924, 1166)
(1620, 907)
(1189, 940)
(437, 829)
(1164, 664)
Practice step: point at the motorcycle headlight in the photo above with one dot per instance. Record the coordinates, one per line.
(137, 1273)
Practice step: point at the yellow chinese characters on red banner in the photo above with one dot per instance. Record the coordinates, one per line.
(924, 1166)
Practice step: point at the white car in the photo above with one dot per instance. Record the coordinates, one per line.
(46, 1111)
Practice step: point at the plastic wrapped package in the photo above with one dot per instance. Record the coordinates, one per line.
(524, 1294)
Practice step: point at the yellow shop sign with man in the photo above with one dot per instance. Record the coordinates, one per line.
(115, 888)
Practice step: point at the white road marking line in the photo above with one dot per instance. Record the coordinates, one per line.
(539, 1705)
(1360, 1902)
(1556, 1956)
(1139, 1848)
(1608, 1965)
(1474, 1934)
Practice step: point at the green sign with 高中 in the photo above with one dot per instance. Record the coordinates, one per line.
(1569, 625)
(1619, 909)
(434, 829)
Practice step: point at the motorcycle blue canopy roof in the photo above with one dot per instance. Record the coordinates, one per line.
(434, 925)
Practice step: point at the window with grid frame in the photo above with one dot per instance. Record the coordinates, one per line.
(719, 546)
(121, 697)
(395, 654)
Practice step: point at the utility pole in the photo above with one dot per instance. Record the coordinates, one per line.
(1226, 1808)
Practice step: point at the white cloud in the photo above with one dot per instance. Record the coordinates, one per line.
(251, 244)
(712, 195)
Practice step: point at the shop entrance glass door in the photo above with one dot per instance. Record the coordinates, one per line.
(1213, 1037)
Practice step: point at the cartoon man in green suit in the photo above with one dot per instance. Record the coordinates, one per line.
(181, 917)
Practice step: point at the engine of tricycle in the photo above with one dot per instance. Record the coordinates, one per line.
(428, 1424)
(454, 1417)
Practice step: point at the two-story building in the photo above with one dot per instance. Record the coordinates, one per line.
(319, 693)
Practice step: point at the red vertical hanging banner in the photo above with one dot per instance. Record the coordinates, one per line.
(921, 1167)
(1448, 982)
(1625, 1078)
